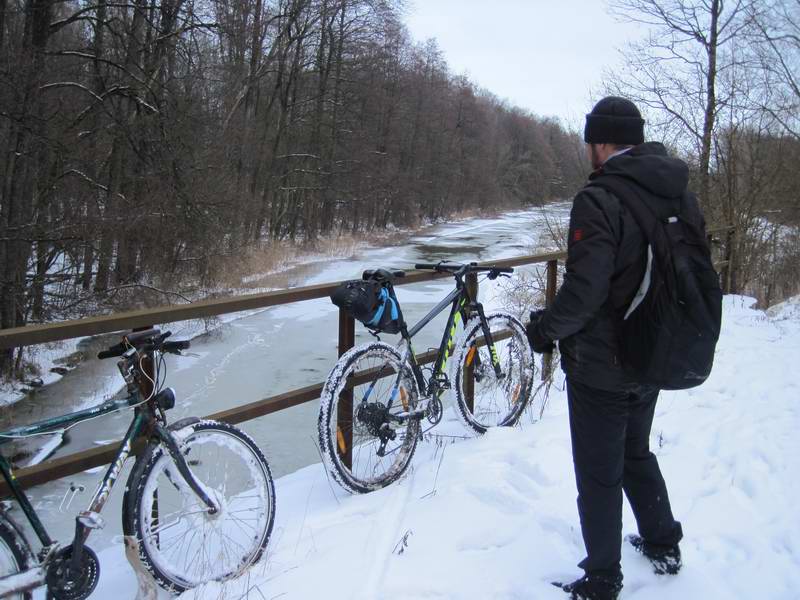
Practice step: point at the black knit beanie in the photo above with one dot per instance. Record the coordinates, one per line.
(614, 120)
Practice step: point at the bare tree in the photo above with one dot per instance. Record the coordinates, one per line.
(152, 143)
(776, 40)
(675, 70)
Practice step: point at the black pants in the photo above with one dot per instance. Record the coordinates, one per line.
(610, 449)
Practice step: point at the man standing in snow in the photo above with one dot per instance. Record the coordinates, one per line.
(610, 414)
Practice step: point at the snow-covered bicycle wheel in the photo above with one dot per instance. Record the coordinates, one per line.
(180, 543)
(381, 386)
(483, 400)
(15, 553)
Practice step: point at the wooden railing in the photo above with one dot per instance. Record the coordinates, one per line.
(80, 461)
(101, 455)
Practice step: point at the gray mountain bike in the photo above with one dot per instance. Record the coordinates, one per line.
(377, 397)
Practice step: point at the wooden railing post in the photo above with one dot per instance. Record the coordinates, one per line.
(469, 371)
(344, 415)
(549, 298)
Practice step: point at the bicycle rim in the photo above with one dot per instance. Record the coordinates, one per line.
(185, 544)
(494, 402)
(367, 469)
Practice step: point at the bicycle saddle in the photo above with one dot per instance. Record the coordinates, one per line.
(383, 274)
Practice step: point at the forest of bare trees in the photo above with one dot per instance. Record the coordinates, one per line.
(720, 83)
(147, 142)
(143, 138)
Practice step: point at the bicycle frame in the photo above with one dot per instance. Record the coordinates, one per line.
(107, 483)
(461, 305)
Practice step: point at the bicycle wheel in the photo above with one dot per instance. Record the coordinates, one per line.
(15, 553)
(180, 543)
(483, 400)
(365, 410)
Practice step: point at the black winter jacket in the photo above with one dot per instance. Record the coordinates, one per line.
(606, 260)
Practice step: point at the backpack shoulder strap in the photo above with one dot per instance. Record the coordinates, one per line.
(652, 225)
(628, 194)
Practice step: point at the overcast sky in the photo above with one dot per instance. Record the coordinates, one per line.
(543, 55)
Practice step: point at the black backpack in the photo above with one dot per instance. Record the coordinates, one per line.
(670, 330)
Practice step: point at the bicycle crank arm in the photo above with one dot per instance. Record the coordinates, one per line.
(175, 452)
(22, 582)
(407, 416)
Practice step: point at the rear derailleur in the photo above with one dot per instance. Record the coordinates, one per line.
(375, 417)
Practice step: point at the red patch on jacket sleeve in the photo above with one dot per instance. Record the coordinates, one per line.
(577, 235)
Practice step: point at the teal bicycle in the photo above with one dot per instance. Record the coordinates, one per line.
(199, 502)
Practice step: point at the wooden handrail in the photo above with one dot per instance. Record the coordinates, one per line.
(53, 332)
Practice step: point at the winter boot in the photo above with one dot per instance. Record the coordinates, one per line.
(593, 587)
(666, 560)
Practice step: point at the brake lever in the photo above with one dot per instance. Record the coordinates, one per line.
(495, 273)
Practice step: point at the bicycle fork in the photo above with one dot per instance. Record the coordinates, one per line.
(90, 519)
(170, 440)
(487, 334)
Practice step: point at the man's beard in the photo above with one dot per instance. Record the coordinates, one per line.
(596, 164)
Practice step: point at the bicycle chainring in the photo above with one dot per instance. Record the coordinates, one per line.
(64, 582)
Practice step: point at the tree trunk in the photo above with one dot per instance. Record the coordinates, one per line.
(711, 107)
(28, 136)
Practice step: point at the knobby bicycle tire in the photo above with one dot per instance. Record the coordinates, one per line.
(363, 451)
(495, 403)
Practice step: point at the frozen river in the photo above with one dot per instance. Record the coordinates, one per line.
(268, 352)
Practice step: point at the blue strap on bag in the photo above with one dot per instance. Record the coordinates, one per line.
(384, 300)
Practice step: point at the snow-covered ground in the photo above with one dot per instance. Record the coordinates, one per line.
(495, 516)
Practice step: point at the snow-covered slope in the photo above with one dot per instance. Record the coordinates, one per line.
(495, 517)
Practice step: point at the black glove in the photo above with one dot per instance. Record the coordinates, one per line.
(539, 343)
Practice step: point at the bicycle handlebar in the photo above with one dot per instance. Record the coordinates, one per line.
(453, 267)
(151, 339)
(441, 267)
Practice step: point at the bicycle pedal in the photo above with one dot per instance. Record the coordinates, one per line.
(91, 519)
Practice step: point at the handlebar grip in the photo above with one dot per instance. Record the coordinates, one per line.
(175, 346)
(136, 336)
(425, 266)
(504, 269)
(113, 351)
